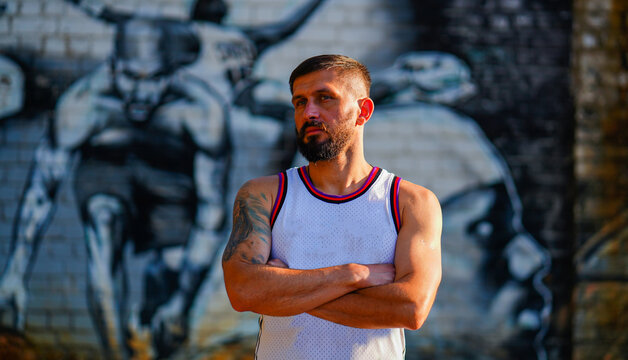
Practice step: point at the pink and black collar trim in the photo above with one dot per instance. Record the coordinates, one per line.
(281, 197)
(394, 203)
(335, 199)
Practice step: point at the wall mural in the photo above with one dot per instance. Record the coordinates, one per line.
(150, 138)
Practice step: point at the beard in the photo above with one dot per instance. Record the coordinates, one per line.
(315, 150)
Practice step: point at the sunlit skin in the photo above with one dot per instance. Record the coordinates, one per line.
(338, 102)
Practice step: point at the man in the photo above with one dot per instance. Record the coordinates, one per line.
(337, 256)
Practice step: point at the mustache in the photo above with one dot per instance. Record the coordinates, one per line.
(317, 124)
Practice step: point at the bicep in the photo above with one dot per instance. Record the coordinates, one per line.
(250, 238)
(418, 251)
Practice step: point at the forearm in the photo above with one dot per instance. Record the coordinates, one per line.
(34, 212)
(395, 305)
(269, 290)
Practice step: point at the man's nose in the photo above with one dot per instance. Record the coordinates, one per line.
(311, 111)
(143, 90)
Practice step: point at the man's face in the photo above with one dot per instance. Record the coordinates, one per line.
(141, 90)
(326, 109)
(140, 74)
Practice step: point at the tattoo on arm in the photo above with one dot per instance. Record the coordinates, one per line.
(250, 224)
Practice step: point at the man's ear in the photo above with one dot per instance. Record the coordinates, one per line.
(366, 110)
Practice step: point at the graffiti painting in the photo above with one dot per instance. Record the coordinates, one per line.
(153, 138)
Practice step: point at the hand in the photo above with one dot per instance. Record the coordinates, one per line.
(376, 274)
(13, 297)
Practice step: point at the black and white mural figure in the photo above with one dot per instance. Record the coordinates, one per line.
(148, 139)
(493, 269)
(152, 139)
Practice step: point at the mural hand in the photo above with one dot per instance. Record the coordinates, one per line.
(13, 297)
(169, 325)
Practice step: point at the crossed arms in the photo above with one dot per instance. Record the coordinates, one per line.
(356, 295)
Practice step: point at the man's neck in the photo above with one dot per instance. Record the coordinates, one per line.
(340, 176)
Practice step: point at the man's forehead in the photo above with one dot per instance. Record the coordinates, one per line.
(329, 80)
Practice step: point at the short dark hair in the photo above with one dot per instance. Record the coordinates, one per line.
(339, 63)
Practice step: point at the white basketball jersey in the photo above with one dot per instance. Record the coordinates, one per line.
(311, 229)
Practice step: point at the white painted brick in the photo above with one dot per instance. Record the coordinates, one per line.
(268, 14)
(321, 33)
(4, 26)
(9, 41)
(174, 11)
(60, 320)
(55, 8)
(81, 321)
(333, 16)
(31, 42)
(241, 15)
(127, 6)
(83, 26)
(352, 35)
(80, 46)
(36, 320)
(34, 24)
(148, 9)
(381, 18)
(30, 7)
(101, 48)
(55, 46)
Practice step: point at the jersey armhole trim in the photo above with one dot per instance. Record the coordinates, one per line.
(281, 197)
(394, 203)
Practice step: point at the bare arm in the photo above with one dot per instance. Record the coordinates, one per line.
(406, 302)
(252, 285)
(49, 168)
(35, 211)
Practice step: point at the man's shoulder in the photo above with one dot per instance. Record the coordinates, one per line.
(261, 183)
(412, 195)
(265, 186)
(420, 212)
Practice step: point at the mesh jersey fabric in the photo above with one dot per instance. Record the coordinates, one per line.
(313, 230)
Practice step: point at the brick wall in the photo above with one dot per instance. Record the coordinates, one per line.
(520, 53)
(600, 83)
